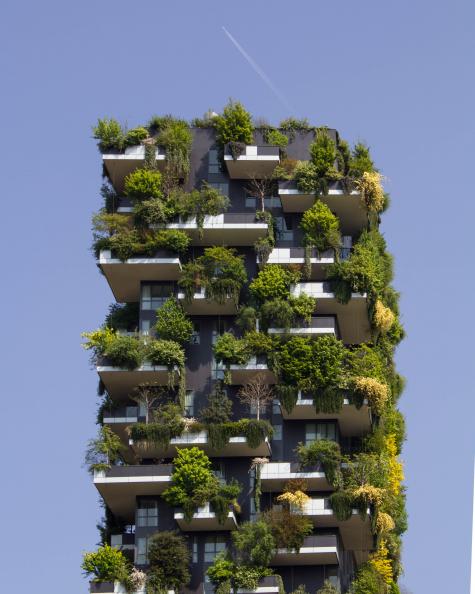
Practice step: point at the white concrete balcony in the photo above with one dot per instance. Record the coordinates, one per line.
(255, 162)
(316, 550)
(349, 208)
(124, 277)
(351, 420)
(230, 229)
(318, 326)
(352, 317)
(119, 165)
(205, 520)
(119, 382)
(236, 447)
(295, 256)
(274, 476)
(121, 485)
(355, 532)
(201, 306)
(243, 374)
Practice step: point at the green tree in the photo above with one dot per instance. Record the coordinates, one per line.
(254, 544)
(109, 133)
(272, 282)
(321, 227)
(169, 559)
(235, 124)
(143, 184)
(107, 564)
(172, 322)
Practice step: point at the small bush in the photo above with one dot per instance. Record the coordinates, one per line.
(230, 350)
(275, 138)
(305, 175)
(324, 452)
(234, 125)
(321, 227)
(254, 544)
(107, 564)
(272, 282)
(124, 351)
(172, 322)
(165, 352)
(143, 184)
(169, 559)
(376, 393)
(109, 133)
(360, 161)
(135, 136)
(383, 317)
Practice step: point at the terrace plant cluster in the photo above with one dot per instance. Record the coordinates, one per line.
(325, 368)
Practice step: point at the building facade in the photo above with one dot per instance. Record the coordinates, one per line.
(352, 405)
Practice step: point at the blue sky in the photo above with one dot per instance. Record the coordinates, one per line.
(398, 75)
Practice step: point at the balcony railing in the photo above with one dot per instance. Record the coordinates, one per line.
(318, 326)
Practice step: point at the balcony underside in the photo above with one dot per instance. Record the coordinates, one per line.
(351, 420)
(120, 382)
(124, 277)
(251, 166)
(237, 447)
(119, 166)
(200, 306)
(205, 521)
(120, 486)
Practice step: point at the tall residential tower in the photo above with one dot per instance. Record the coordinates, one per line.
(248, 430)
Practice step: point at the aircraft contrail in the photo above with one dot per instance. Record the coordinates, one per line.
(258, 70)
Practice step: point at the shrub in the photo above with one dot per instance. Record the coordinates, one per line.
(230, 350)
(177, 241)
(234, 125)
(376, 393)
(288, 530)
(372, 193)
(135, 136)
(305, 175)
(176, 138)
(278, 312)
(272, 282)
(172, 322)
(169, 559)
(104, 223)
(143, 184)
(124, 351)
(287, 396)
(123, 316)
(219, 408)
(259, 343)
(383, 317)
(323, 154)
(321, 227)
(360, 161)
(328, 588)
(368, 581)
(165, 352)
(103, 451)
(342, 503)
(107, 564)
(201, 203)
(275, 138)
(324, 452)
(303, 307)
(109, 133)
(125, 244)
(168, 423)
(246, 318)
(381, 563)
(254, 544)
(150, 212)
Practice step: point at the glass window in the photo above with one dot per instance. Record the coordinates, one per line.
(223, 188)
(250, 202)
(141, 551)
(317, 431)
(194, 558)
(189, 404)
(213, 546)
(147, 513)
(145, 327)
(275, 407)
(154, 296)
(283, 232)
(277, 436)
(195, 337)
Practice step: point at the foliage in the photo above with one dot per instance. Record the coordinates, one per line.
(165, 352)
(246, 318)
(382, 563)
(360, 161)
(219, 270)
(328, 400)
(172, 322)
(255, 431)
(143, 184)
(168, 423)
(288, 529)
(368, 581)
(148, 213)
(323, 155)
(123, 316)
(321, 227)
(254, 544)
(272, 282)
(176, 138)
(230, 350)
(219, 407)
(384, 523)
(383, 317)
(303, 307)
(395, 425)
(368, 269)
(294, 499)
(293, 125)
(371, 190)
(135, 580)
(108, 224)
(324, 452)
(328, 588)
(259, 343)
(275, 138)
(310, 364)
(342, 503)
(107, 564)
(103, 451)
(135, 136)
(234, 124)
(200, 203)
(376, 392)
(395, 470)
(123, 351)
(109, 133)
(278, 313)
(287, 395)
(305, 177)
(169, 559)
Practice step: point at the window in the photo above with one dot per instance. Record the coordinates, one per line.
(317, 431)
(213, 163)
(223, 188)
(277, 436)
(213, 546)
(154, 296)
(147, 513)
(141, 551)
(195, 337)
(194, 550)
(250, 202)
(275, 407)
(189, 404)
(145, 327)
(284, 232)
